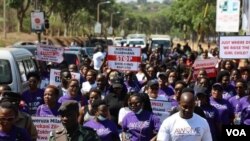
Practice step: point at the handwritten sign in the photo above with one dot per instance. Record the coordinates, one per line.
(55, 78)
(44, 125)
(235, 47)
(49, 53)
(124, 58)
(161, 108)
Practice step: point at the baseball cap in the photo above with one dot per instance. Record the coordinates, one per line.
(152, 83)
(11, 96)
(217, 86)
(69, 106)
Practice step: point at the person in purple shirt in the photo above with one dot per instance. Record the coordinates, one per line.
(223, 78)
(162, 80)
(211, 114)
(106, 129)
(50, 106)
(73, 93)
(131, 82)
(240, 87)
(234, 75)
(140, 124)
(8, 130)
(33, 97)
(172, 78)
(179, 86)
(244, 110)
(225, 109)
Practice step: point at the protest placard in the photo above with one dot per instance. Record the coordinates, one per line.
(49, 53)
(55, 78)
(44, 125)
(161, 108)
(207, 64)
(235, 47)
(124, 58)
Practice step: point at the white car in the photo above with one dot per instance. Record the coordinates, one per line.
(136, 42)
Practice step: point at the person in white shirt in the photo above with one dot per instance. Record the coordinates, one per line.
(98, 58)
(90, 83)
(185, 125)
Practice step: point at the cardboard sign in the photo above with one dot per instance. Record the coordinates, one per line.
(161, 108)
(55, 78)
(37, 21)
(49, 53)
(235, 47)
(207, 64)
(44, 125)
(124, 58)
(227, 15)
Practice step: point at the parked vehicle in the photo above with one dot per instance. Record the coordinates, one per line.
(15, 64)
(137, 42)
(156, 41)
(89, 51)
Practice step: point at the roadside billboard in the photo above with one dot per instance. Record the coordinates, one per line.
(227, 15)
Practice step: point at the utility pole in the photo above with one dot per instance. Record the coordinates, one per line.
(38, 32)
(4, 18)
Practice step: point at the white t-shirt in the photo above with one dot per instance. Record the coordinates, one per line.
(175, 128)
(86, 86)
(122, 113)
(141, 76)
(98, 59)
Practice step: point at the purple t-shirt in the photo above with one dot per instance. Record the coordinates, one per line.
(33, 100)
(67, 97)
(212, 117)
(15, 134)
(225, 110)
(234, 101)
(174, 102)
(168, 90)
(244, 108)
(106, 130)
(228, 92)
(141, 126)
(44, 111)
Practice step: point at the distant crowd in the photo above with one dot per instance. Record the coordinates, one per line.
(113, 105)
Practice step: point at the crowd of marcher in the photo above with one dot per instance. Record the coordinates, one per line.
(113, 105)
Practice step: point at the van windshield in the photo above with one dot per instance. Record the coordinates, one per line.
(71, 58)
(5, 72)
(158, 43)
(136, 42)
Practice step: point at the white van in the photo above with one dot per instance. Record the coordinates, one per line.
(160, 40)
(15, 64)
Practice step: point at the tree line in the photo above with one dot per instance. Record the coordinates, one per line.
(187, 19)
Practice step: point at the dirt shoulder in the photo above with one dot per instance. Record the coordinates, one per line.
(16, 37)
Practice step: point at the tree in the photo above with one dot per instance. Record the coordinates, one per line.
(21, 7)
(191, 14)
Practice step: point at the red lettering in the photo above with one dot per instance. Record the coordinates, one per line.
(237, 42)
(228, 53)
